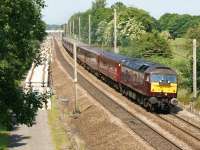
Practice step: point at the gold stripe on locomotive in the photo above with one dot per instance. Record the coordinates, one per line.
(168, 88)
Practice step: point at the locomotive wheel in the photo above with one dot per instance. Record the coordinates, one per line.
(140, 100)
(153, 107)
(146, 104)
(167, 109)
(120, 89)
(124, 92)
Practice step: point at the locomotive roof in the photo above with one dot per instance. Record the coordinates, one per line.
(132, 63)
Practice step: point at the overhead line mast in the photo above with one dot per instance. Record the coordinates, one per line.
(194, 69)
(115, 31)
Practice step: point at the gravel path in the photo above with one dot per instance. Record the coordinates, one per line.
(36, 137)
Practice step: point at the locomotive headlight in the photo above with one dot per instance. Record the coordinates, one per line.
(174, 101)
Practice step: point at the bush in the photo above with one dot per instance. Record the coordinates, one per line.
(152, 44)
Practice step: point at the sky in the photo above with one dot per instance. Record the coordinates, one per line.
(59, 11)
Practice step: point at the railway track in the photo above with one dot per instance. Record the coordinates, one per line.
(150, 135)
(188, 128)
(189, 122)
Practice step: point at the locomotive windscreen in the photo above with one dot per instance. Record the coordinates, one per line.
(163, 78)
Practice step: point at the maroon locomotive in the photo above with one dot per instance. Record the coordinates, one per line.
(152, 85)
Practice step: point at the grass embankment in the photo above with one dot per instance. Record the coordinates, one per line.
(59, 136)
(4, 138)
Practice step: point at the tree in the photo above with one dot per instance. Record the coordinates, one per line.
(98, 4)
(153, 44)
(176, 24)
(21, 32)
(118, 6)
(130, 30)
(139, 15)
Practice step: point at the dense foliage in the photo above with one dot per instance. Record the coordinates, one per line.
(149, 45)
(177, 25)
(133, 25)
(21, 31)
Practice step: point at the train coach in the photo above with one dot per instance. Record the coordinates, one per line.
(152, 85)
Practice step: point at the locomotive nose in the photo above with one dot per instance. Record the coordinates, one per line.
(174, 101)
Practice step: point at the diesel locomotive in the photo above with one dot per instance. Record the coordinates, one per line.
(152, 85)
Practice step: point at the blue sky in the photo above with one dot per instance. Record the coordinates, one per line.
(58, 11)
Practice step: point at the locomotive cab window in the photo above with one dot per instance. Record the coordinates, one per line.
(165, 78)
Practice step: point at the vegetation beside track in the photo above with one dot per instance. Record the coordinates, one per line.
(4, 138)
(59, 135)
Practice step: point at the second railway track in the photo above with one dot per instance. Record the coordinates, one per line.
(154, 138)
(190, 129)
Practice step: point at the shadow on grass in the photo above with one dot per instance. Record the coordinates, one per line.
(17, 140)
(4, 139)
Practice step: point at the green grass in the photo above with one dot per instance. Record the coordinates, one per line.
(197, 104)
(184, 96)
(4, 138)
(59, 136)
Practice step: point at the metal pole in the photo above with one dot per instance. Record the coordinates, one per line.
(194, 69)
(75, 79)
(70, 29)
(73, 29)
(89, 29)
(115, 31)
(79, 28)
(66, 27)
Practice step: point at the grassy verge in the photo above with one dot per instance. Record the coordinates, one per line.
(184, 96)
(59, 136)
(4, 138)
